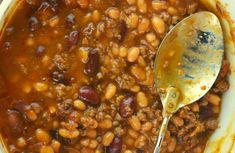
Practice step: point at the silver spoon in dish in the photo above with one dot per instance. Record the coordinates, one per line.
(187, 64)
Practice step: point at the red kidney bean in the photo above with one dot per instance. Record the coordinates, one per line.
(46, 9)
(139, 151)
(122, 31)
(33, 24)
(205, 113)
(15, 122)
(59, 77)
(70, 20)
(9, 30)
(115, 146)
(36, 107)
(127, 106)
(40, 50)
(89, 95)
(73, 38)
(92, 65)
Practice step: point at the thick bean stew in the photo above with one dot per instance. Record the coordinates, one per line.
(76, 76)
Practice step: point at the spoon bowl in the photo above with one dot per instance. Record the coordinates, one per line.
(187, 63)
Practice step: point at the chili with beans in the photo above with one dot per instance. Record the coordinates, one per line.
(76, 76)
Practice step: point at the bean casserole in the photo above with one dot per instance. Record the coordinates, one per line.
(76, 76)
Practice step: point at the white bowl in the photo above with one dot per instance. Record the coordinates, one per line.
(223, 139)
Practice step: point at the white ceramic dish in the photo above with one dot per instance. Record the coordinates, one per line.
(223, 139)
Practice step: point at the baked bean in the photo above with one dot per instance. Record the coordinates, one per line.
(135, 88)
(135, 123)
(31, 115)
(56, 145)
(155, 43)
(85, 142)
(142, 100)
(107, 138)
(89, 122)
(141, 61)
(113, 13)
(172, 145)
(159, 5)
(21, 142)
(123, 51)
(85, 150)
(214, 99)
(172, 11)
(142, 6)
(195, 107)
(147, 126)
(133, 54)
(143, 25)
(93, 144)
(45, 60)
(15, 122)
(158, 25)
(30, 41)
(52, 109)
(129, 141)
(138, 72)
(192, 7)
(132, 21)
(46, 149)
(134, 134)
(150, 37)
(105, 124)
(40, 86)
(127, 151)
(131, 2)
(83, 54)
(97, 151)
(140, 142)
(197, 149)
(110, 91)
(42, 136)
(178, 121)
(96, 16)
(54, 21)
(115, 49)
(69, 134)
(216, 109)
(78, 104)
(91, 133)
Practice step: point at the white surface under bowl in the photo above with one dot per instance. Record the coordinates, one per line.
(223, 139)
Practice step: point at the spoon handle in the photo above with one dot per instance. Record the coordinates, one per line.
(161, 136)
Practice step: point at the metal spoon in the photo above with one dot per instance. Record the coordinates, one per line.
(187, 64)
